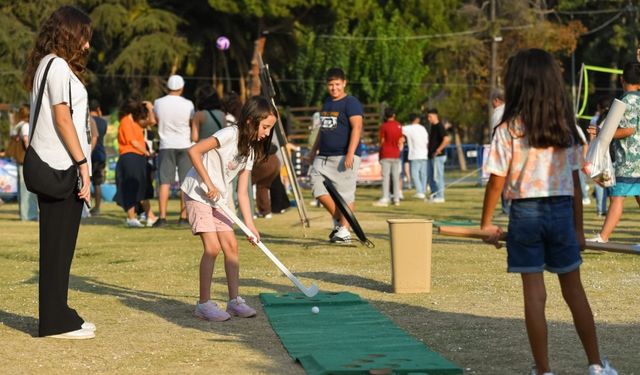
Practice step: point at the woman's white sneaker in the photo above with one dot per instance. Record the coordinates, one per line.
(134, 223)
(80, 334)
(89, 326)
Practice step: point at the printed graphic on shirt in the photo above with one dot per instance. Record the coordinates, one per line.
(328, 120)
(233, 164)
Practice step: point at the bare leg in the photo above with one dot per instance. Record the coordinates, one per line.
(97, 193)
(211, 250)
(576, 299)
(613, 217)
(146, 206)
(183, 209)
(131, 213)
(535, 297)
(330, 206)
(328, 203)
(343, 220)
(231, 261)
(163, 200)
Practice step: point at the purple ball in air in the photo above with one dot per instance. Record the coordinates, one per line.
(223, 43)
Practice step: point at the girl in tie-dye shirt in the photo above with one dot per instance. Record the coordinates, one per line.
(535, 157)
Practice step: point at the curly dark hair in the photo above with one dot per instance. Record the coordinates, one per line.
(256, 109)
(63, 34)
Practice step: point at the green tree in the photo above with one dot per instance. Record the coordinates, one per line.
(136, 48)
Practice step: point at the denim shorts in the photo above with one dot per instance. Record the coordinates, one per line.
(542, 236)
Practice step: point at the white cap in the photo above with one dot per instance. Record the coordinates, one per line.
(175, 82)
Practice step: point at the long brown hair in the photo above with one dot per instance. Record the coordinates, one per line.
(63, 34)
(256, 109)
(536, 94)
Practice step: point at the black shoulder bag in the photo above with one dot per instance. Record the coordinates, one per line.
(39, 177)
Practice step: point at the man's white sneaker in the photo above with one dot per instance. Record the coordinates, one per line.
(436, 200)
(79, 334)
(419, 196)
(605, 369)
(134, 223)
(342, 235)
(596, 239)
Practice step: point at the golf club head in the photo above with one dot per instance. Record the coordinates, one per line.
(311, 291)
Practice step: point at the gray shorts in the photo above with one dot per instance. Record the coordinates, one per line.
(332, 167)
(168, 160)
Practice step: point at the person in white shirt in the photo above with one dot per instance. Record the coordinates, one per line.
(28, 202)
(174, 115)
(60, 139)
(497, 103)
(418, 142)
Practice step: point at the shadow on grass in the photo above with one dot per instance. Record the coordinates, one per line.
(348, 280)
(481, 344)
(26, 324)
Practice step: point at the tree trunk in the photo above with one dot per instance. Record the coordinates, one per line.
(255, 65)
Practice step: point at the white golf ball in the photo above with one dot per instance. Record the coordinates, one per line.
(315, 309)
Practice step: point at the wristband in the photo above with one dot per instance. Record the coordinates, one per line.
(83, 161)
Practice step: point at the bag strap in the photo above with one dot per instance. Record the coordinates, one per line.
(70, 100)
(214, 118)
(43, 82)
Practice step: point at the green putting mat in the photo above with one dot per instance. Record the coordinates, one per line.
(347, 336)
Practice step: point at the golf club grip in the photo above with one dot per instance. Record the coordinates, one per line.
(480, 234)
(468, 232)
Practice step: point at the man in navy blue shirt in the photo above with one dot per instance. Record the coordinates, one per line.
(337, 149)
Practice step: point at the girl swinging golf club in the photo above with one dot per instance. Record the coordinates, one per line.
(218, 159)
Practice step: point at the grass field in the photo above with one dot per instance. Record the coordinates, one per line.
(139, 286)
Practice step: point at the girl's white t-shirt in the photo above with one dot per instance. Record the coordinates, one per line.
(220, 173)
(46, 141)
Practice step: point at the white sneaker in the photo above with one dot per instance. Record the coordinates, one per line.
(134, 223)
(596, 239)
(436, 200)
(342, 235)
(89, 326)
(150, 222)
(535, 372)
(238, 307)
(586, 201)
(419, 195)
(80, 334)
(381, 203)
(211, 312)
(605, 369)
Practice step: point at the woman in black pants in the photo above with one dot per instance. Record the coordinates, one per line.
(60, 138)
